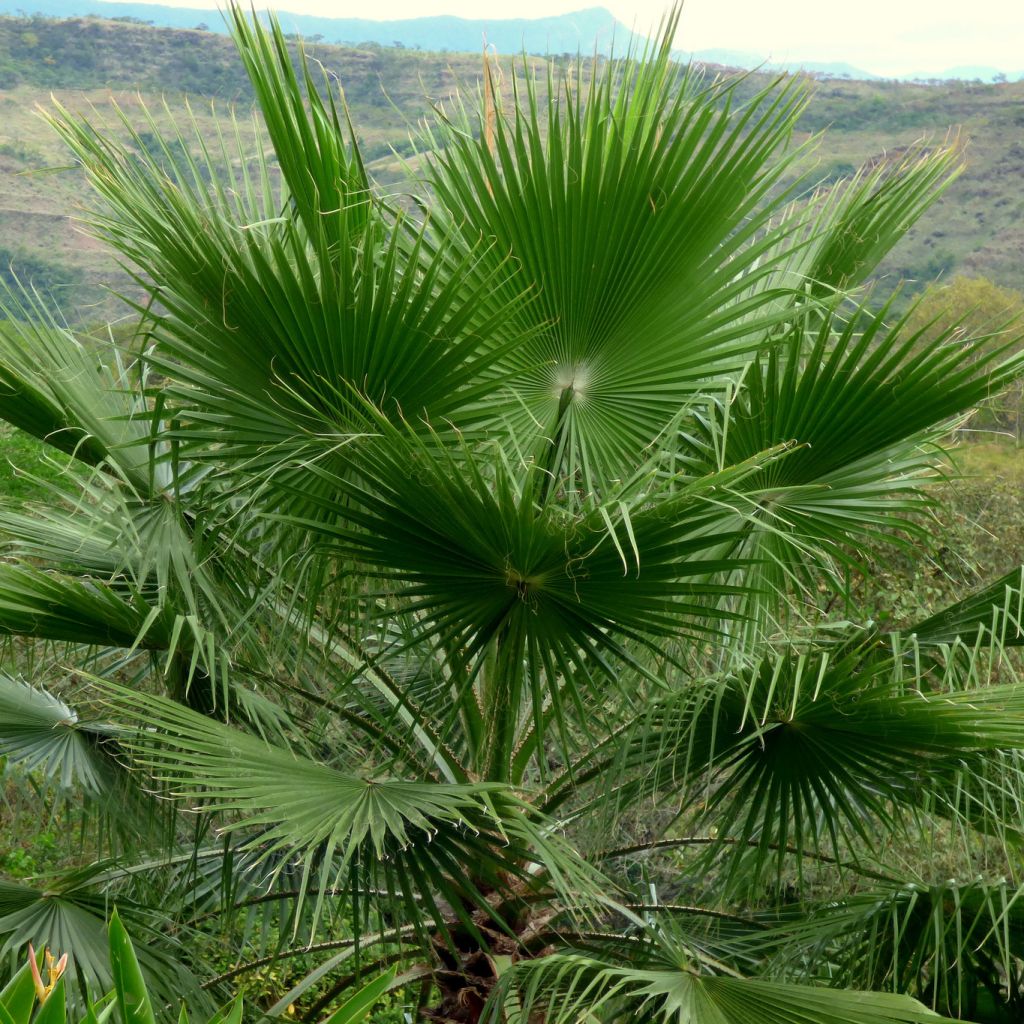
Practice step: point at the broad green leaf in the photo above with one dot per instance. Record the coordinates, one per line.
(357, 1007)
(54, 1010)
(133, 1000)
(18, 996)
(230, 1014)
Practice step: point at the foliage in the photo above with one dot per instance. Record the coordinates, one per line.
(42, 980)
(51, 280)
(969, 305)
(451, 584)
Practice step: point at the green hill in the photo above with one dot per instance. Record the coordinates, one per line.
(977, 228)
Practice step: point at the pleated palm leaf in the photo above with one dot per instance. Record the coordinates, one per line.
(450, 566)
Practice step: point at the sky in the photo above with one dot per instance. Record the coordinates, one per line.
(887, 37)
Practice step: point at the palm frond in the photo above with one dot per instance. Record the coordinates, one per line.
(956, 944)
(633, 206)
(70, 916)
(855, 223)
(806, 751)
(668, 987)
(53, 606)
(38, 731)
(288, 295)
(63, 392)
(409, 839)
(858, 398)
(995, 611)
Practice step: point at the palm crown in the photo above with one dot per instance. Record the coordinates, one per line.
(459, 556)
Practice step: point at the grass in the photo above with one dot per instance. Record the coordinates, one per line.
(26, 465)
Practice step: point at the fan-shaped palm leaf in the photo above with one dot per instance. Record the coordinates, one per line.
(669, 988)
(955, 945)
(69, 916)
(411, 839)
(633, 207)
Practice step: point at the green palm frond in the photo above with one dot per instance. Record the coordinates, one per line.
(668, 987)
(410, 839)
(70, 915)
(163, 565)
(858, 398)
(540, 604)
(289, 294)
(956, 945)
(806, 751)
(826, 750)
(62, 391)
(38, 731)
(995, 611)
(321, 166)
(465, 531)
(633, 206)
(53, 606)
(856, 223)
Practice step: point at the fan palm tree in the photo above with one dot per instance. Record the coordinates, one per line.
(461, 580)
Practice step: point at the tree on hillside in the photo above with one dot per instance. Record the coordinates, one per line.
(462, 584)
(964, 308)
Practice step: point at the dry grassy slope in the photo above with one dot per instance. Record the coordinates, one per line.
(978, 227)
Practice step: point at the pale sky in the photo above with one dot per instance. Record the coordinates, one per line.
(882, 36)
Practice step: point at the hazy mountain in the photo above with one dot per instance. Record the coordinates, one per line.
(589, 30)
(751, 61)
(565, 33)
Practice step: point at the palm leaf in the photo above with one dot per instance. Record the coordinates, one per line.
(856, 223)
(805, 751)
(863, 401)
(69, 915)
(409, 839)
(558, 599)
(38, 731)
(61, 391)
(569, 988)
(950, 944)
(633, 207)
(52, 606)
(992, 612)
(287, 296)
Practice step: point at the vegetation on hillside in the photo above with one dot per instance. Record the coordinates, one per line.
(968, 306)
(462, 588)
(974, 229)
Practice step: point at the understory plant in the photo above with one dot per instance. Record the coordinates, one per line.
(458, 580)
(36, 994)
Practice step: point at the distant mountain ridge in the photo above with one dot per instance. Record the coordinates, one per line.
(593, 29)
(581, 31)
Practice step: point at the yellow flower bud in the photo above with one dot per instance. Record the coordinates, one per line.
(54, 969)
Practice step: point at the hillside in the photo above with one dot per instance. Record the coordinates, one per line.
(977, 228)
